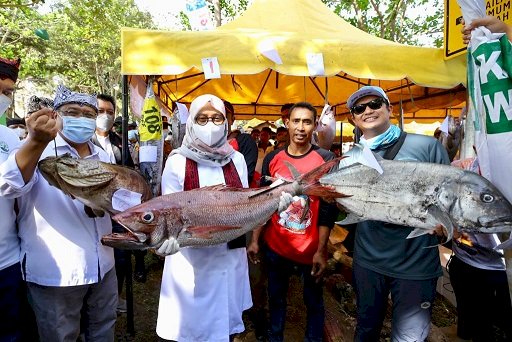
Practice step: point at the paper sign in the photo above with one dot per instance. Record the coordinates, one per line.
(148, 154)
(369, 160)
(211, 67)
(268, 50)
(315, 64)
(198, 14)
(183, 110)
(124, 199)
(444, 125)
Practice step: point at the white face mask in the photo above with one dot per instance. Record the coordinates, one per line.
(210, 133)
(104, 122)
(20, 132)
(5, 102)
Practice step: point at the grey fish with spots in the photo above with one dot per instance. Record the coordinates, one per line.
(92, 182)
(420, 195)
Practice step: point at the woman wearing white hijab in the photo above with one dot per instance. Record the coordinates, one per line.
(204, 290)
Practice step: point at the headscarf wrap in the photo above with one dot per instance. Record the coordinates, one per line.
(9, 68)
(193, 148)
(64, 96)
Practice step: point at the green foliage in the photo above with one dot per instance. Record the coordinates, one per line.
(402, 21)
(84, 47)
(19, 3)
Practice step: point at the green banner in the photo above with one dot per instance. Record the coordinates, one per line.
(494, 65)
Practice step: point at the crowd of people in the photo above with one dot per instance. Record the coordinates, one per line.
(58, 282)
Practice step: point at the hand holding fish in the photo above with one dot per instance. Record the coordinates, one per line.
(168, 247)
(42, 126)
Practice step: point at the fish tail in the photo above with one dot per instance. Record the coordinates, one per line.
(325, 192)
(311, 185)
(314, 175)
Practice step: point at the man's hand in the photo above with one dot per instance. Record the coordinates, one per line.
(169, 247)
(42, 126)
(252, 252)
(493, 24)
(319, 265)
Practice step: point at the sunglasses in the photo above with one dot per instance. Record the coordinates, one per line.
(373, 104)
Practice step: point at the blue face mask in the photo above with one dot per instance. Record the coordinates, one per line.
(78, 130)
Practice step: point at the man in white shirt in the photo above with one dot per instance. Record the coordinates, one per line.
(70, 275)
(15, 325)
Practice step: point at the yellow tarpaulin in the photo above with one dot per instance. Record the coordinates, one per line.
(416, 77)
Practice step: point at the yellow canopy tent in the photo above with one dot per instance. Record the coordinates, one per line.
(415, 78)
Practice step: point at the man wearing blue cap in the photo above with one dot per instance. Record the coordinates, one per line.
(384, 260)
(70, 276)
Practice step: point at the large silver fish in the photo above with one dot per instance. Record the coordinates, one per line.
(452, 140)
(177, 129)
(325, 130)
(92, 182)
(420, 195)
(209, 215)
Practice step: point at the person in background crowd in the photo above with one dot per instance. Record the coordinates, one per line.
(264, 147)
(296, 239)
(16, 322)
(385, 261)
(204, 290)
(282, 137)
(241, 142)
(255, 135)
(285, 110)
(111, 143)
(70, 275)
(18, 126)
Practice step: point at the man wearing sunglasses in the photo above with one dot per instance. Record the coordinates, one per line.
(384, 260)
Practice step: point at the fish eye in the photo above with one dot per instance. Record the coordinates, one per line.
(487, 198)
(148, 217)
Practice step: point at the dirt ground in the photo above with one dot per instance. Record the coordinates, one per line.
(146, 308)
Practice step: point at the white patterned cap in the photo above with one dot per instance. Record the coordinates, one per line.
(64, 96)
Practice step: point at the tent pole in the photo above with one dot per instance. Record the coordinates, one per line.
(130, 327)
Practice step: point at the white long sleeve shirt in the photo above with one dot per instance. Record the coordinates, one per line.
(59, 242)
(9, 242)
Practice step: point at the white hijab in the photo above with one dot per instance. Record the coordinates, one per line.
(193, 148)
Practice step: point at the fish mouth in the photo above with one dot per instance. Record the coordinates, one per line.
(122, 240)
(491, 222)
(140, 237)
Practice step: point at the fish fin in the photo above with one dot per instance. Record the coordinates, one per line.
(504, 245)
(324, 191)
(92, 213)
(293, 170)
(314, 175)
(350, 219)
(444, 219)
(91, 180)
(206, 232)
(417, 232)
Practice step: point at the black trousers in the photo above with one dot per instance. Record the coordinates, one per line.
(483, 301)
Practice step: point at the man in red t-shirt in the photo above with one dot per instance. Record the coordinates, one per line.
(296, 239)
